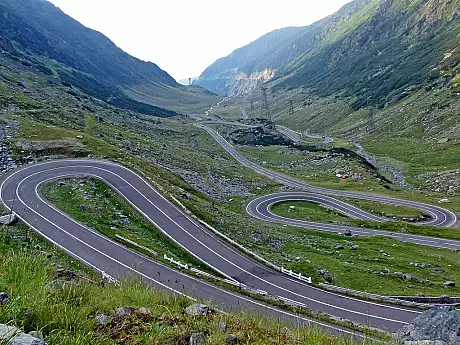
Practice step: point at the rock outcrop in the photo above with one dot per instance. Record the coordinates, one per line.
(438, 325)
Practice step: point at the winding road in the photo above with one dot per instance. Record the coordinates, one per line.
(21, 193)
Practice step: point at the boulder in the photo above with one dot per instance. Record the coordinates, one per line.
(13, 336)
(103, 319)
(197, 339)
(9, 219)
(449, 284)
(436, 326)
(232, 339)
(144, 312)
(347, 232)
(4, 298)
(124, 311)
(222, 326)
(198, 310)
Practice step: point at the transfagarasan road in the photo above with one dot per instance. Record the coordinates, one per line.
(21, 192)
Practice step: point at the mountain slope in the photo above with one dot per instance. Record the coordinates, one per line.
(38, 34)
(371, 50)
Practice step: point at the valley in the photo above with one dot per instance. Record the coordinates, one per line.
(313, 183)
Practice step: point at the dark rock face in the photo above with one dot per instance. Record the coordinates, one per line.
(265, 135)
(440, 324)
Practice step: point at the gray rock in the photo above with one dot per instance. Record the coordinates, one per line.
(197, 339)
(339, 247)
(198, 310)
(124, 311)
(354, 247)
(347, 233)
(143, 311)
(37, 334)
(222, 326)
(103, 319)
(232, 339)
(8, 219)
(449, 284)
(4, 298)
(440, 323)
(13, 336)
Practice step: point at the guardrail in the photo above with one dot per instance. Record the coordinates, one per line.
(296, 275)
(178, 263)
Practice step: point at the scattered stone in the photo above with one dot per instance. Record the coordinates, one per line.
(37, 334)
(326, 275)
(449, 284)
(124, 311)
(347, 233)
(232, 339)
(4, 298)
(79, 136)
(198, 310)
(102, 319)
(197, 339)
(13, 336)
(144, 312)
(444, 201)
(339, 247)
(443, 140)
(9, 219)
(440, 323)
(354, 247)
(222, 326)
(286, 331)
(292, 207)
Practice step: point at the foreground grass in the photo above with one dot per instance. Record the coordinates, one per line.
(66, 316)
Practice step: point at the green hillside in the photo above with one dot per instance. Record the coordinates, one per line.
(369, 52)
(39, 36)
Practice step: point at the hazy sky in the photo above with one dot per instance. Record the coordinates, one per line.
(184, 37)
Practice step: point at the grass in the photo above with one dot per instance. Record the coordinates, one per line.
(307, 210)
(66, 316)
(93, 203)
(385, 210)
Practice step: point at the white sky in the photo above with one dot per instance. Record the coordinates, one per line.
(184, 37)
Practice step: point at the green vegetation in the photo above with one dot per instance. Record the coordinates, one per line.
(306, 210)
(63, 51)
(96, 205)
(386, 210)
(66, 315)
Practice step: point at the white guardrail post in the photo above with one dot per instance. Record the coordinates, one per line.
(298, 276)
(178, 263)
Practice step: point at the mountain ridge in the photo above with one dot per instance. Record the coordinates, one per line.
(39, 34)
(332, 49)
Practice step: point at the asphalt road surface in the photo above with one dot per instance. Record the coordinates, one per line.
(260, 207)
(20, 192)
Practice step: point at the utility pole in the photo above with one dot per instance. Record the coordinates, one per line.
(252, 104)
(190, 81)
(291, 108)
(265, 109)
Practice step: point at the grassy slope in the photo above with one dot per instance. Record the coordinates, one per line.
(94, 204)
(133, 140)
(66, 316)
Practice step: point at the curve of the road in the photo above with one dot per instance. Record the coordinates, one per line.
(260, 207)
(21, 192)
